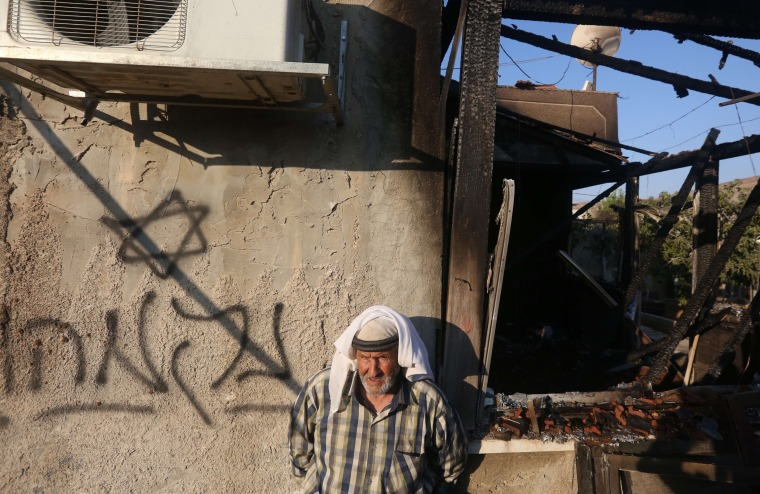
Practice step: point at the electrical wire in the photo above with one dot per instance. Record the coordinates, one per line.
(530, 60)
(705, 131)
(507, 64)
(672, 122)
(516, 64)
(744, 135)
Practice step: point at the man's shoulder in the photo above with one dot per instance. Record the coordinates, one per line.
(426, 390)
(320, 379)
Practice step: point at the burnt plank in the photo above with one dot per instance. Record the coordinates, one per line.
(727, 47)
(671, 218)
(705, 220)
(629, 237)
(736, 19)
(724, 151)
(584, 468)
(706, 284)
(679, 82)
(468, 264)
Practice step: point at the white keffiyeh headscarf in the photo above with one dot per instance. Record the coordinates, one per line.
(412, 354)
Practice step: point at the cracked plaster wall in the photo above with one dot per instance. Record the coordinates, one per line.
(169, 280)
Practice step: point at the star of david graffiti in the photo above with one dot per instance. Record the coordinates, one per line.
(166, 216)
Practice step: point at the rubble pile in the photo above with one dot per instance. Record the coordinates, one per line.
(611, 417)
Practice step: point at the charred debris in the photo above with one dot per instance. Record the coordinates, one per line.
(598, 368)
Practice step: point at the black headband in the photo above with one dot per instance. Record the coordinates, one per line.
(375, 346)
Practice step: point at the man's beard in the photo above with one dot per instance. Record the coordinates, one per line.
(388, 382)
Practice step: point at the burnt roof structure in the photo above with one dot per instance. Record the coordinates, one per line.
(484, 124)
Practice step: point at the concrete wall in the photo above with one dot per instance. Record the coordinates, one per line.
(168, 280)
(526, 473)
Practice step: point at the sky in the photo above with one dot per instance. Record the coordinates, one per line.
(650, 115)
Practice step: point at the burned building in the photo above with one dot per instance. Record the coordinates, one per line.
(186, 228)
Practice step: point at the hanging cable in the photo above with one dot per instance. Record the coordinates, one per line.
(516, 64)
(701, 133)
(671, 123)
(507, 64)
(530, 60)
(744, 135)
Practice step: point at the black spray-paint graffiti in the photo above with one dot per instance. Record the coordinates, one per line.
(281, 372)
(112, 354)
(6, 367)
(5, 350)
(133, 249)
(67, 334)
(112, 351)
(36, 329)
(137, 244)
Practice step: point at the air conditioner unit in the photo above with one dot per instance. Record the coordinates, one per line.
(206, 52)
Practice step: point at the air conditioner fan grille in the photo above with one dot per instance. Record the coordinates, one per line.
(136, 24)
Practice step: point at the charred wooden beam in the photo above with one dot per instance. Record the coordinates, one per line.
(468, 265)
(552, 232)
(629, 237)
(642, 352)
(679, 82)
(588, 279)
(712, 320)
(449, 17)
(671, 218)
(727, 47)
(448, 200)
(727, 150)
(584, 467)
(739, 100)
(664, 325)
(574, 133)
(748, 321)
(706, 284)
(735, 19)
(735, 149)
(705, 220)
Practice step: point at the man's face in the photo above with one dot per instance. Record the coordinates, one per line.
(378, 370)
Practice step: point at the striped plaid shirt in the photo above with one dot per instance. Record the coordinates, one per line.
(410, 446)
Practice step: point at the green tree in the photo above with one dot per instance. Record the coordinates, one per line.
(672, 265)
(744, 264)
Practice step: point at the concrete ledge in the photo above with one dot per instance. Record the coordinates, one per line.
(488, 446)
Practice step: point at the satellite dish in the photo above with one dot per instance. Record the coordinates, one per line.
(599, 39)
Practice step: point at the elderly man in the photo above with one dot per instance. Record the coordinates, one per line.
(374, 421)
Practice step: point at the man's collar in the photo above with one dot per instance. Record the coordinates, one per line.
(403, 395)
